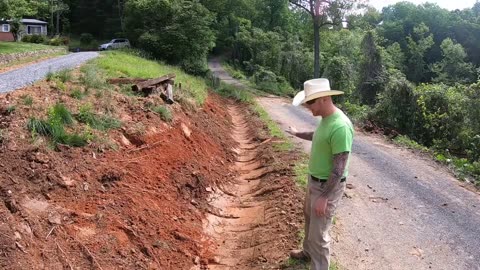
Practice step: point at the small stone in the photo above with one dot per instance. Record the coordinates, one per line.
(186, 130)
(193, 202)
(196, 260)
(85, 186)
(209, 189)
(55, 218)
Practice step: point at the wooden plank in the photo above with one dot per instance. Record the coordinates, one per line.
(152, 82)
(126, 80)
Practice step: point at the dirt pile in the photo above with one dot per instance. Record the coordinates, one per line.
(136, 197)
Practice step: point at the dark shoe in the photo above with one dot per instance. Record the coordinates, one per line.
(299, 255)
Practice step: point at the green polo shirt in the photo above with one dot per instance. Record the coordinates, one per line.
(334, 135)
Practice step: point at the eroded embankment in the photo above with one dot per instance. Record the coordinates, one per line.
(257, 209)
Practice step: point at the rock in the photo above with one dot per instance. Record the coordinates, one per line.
(350, 186)
(180, 236)
(85, 186)
(214, 260)
(186, 130)
(67, 182)
(193, 202)
(124, 141)
(196, 260)
(41, 158)
(55, 218)
(208, 189)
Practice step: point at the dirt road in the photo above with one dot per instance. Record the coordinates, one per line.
(404, 212)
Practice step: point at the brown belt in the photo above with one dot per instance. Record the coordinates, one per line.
(325, 180)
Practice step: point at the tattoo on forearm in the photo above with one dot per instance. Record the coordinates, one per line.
(305, 135)
(339, 164)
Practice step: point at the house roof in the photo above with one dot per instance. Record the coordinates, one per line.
(26, 21)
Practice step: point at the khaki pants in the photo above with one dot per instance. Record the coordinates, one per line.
(317, 239)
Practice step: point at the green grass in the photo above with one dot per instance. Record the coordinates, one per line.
(27, 100)
(19, 47)
(92, 77)
(129, 64)
(77, 93)
(54, 127)
(87, 116)
(409, 143)
(301, 172)
(164, 112)
(230, 91)
(284, 143)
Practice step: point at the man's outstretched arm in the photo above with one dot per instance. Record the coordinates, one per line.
(308, 136)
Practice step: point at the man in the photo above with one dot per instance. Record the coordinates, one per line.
(328, 169)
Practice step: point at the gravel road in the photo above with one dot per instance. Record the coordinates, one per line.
(18, 78)
(404, 211)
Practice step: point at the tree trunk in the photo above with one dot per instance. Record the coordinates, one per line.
(58, 22)
(316, 49)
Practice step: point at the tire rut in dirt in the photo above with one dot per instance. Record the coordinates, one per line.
(238, 238)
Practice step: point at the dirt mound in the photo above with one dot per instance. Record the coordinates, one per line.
(138, 204)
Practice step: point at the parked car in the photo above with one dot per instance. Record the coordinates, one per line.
(116, 43)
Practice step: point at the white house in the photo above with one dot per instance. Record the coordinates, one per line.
(30, 27)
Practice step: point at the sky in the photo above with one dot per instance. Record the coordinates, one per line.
(448, 4)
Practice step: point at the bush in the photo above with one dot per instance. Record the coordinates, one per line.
(269, 82)
(38, 39)
(27, 38)
(59, 41)
(86, 38)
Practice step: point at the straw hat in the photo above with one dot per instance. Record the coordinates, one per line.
(313, 89)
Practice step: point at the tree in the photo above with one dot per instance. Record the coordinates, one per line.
(323, 13)
(181, 33)
(372, 71)
(418, 45)
(453, 68)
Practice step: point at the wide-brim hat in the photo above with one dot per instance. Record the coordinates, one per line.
(313, 89)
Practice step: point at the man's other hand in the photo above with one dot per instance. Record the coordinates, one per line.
(321, 206)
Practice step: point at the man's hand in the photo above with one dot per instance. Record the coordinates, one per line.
(321, 206)
(292, 130)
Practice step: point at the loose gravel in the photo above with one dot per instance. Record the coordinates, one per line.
(15, 79)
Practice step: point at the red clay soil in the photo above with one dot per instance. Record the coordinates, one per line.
(139, 207)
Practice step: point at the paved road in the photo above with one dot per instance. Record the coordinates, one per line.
(27, 75)
(404, 212)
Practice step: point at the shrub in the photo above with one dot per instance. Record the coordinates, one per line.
(56, 41)
(86, 38)
(38, 39)
(27, 38)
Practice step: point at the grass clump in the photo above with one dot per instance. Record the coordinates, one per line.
(54, 127)
(164, 112)
(87, 116)
(409, 143)
(77, 93)
(11, 109)
(64, 75)
(92, 78)
(27, 100)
